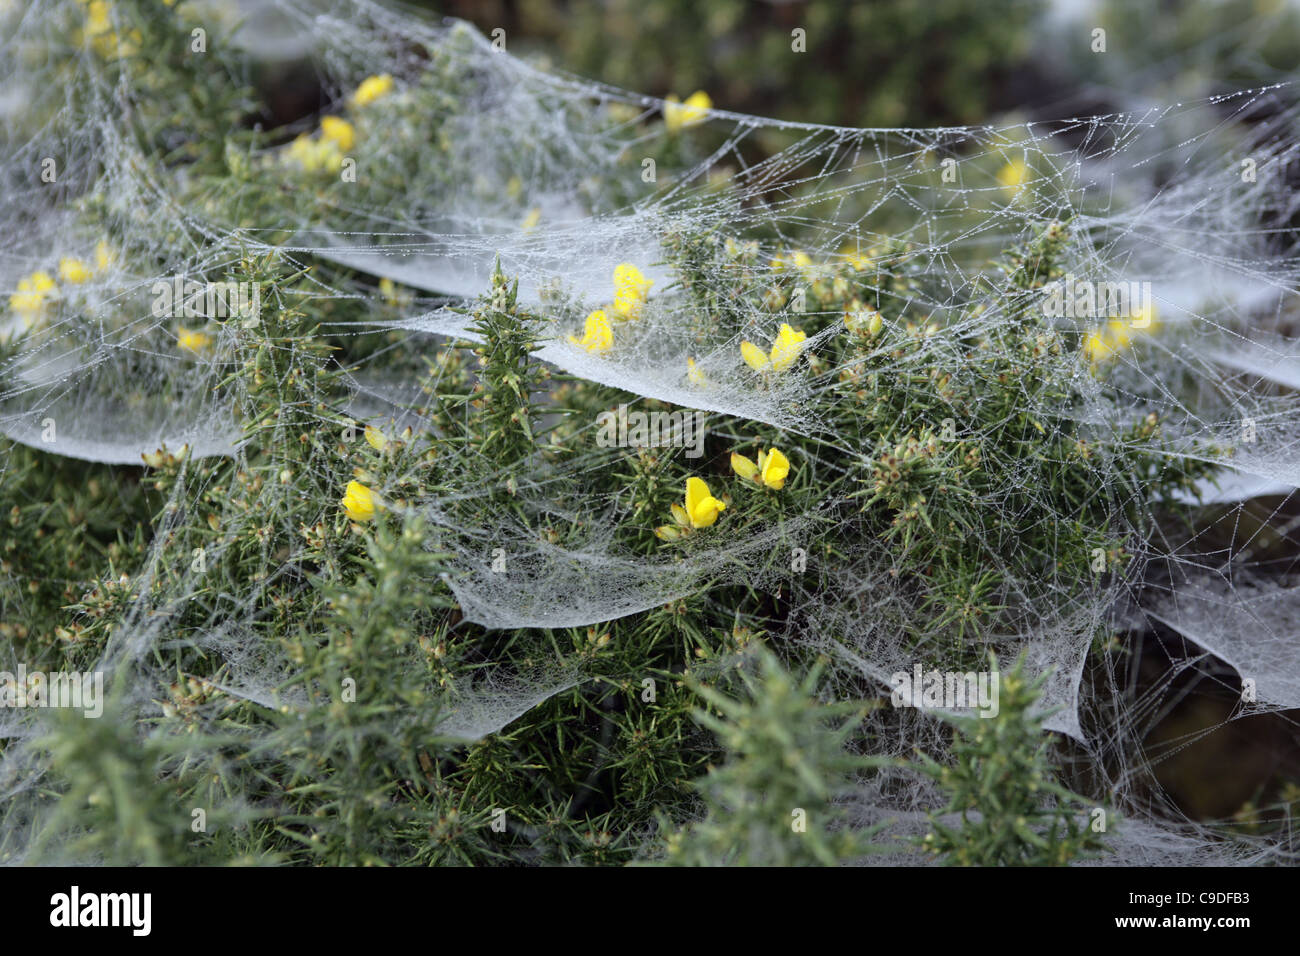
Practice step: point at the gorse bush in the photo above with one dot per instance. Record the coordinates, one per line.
(498, 468)
(786, 759)
(1012, 811)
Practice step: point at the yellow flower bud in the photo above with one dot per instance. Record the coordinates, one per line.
(743, 466)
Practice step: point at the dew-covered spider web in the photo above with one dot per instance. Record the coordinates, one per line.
(467, 156)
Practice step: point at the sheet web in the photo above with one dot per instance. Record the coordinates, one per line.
(470, 157)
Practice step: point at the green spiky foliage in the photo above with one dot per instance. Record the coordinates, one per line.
(1006, 806)
(771, 799)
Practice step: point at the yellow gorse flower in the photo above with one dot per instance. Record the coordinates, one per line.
(97, 18)
(314, 155)
(771, 470)
(338, 131)
(786, 348)
(74, 271)
(1107, 341)
(598, 334)
(678, 114)
(754, 357)
(702, 509)
(359, 502)
(373, 88)
(857, 259)
(34, 291)
(1013, 176)
(37, 290)
(744, 467)
(694, 375)
(798, 258)
(375, 438)
(99, 29)
(788, 345)
(631, 289)
(860, 320)
(191, 341)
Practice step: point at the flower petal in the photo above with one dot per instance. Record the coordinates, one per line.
(696, 491)
(359, 502)
(743, 466)
(775, 469)
(754, 357)
(789, 343)
(598, 334)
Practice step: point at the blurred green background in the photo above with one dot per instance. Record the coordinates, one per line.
(906, 62)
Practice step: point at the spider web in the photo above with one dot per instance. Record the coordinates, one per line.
(477, 157)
